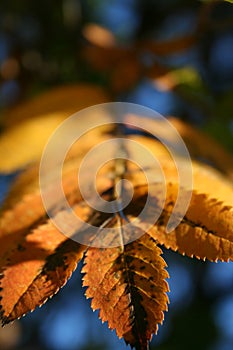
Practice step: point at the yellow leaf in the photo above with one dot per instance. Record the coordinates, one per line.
(206, 230)
(65, 100)
(203, 147)
(24, 143)
(34, 122)
(28, 181)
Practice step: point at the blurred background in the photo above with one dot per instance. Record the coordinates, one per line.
(174, 56)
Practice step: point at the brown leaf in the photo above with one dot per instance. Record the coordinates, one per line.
(123, 63)
(129, 288)
(130, 69)
(168, 47)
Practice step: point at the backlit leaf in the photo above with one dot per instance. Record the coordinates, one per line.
(36, 269)
(129, 288)
(64, 100)
(206, 230)
(35, 121)
(203, 147)
(126, 282)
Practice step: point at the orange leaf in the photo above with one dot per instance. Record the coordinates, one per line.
(127, 283)
(36, 269)
(36, 264)
(129, 288)
(206, 231)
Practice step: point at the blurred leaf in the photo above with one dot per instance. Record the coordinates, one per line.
(124, 63)
(204, 148)
(23, 144)
(66, 99)
(28, 181)
(34, 122)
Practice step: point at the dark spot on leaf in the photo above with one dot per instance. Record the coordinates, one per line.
(161, 222)
(116, 275)
(129, 259)
(21, 248)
